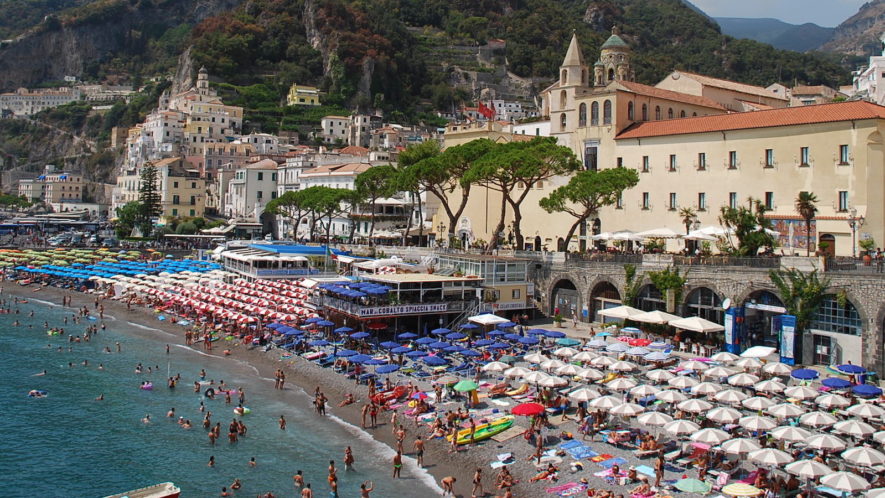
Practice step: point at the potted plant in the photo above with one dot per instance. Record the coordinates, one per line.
(557, 318)
(867, 245)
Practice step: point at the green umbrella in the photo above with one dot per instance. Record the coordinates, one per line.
(465, 385)
(507, 359)
(693, 486)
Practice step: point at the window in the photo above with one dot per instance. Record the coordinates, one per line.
(672, 162)
(515, 294)
(843, 200)
(630, 111)
(645, 164)
(594, 114)
(733, 200)
(619, 203)
(657, 112)
(562, 120)
(646, 202)
(259, 194)
(732, 159)
(607, 112)
(620, 162)
(582, 115)
(681, 114)
(273, 177)
(193, 212)
(702, 160)
(563, 99)
(672, 205)
(834, 317)
(804, 159)
(769, 158)
(273, 195)
(644, 112)
(564, 76)
(591, 154)
(193, 200)
(702, 201)
(174, 184)
(670, 113)
(174, 212)
(843, 155)
(176, 199)
(769, 200)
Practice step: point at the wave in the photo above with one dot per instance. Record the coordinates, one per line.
(47, 303)
(152, 329)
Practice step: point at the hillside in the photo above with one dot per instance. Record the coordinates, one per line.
(779, 34)
(860, 33)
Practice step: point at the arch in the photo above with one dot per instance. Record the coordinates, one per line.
(758, 321)
(630, 111)
(604, 294)
(582, 114)
(650, 298)
(874, 138)
(694, 114)
(830, 241)
(669, 113)
(611, 74)
(607, 112)
(706, 303)
(594, 114)
(681, 114)
(537, 243)
(565, 298)
(645, 112)
(560, 245)
(564, 77)
(563, 99)
(562, 121)
(657, 113)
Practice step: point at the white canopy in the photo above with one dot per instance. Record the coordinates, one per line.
(654, 317)
(758, 352)
(658, 233)
(487, 319)
(621, 312)
(625, 235)
(696, 324)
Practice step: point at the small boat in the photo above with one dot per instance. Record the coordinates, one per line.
(162, 490)
(485, 431)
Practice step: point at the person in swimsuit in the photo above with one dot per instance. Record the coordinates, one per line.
(298, 479)
(366, 488)
(348, 459)
(448, 485)
(397, 464)
(306, 492)
(419, 451)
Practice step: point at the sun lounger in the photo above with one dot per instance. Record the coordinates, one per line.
(645, 453)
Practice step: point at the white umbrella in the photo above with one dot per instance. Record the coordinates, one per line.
(495, 366)
(565, 352)
(583, 394)
(749, 363)
(769, 386)
(602, 361)
(730, 396)
(875, 493)
(671, 396)
(654, 419)
(625, 235)
(590, 374)
(777, 369)
(829, 401)
(785, 410)
(683, 382)
(864, 456)
(725, 357)
(706, 388)
(699, 236)
(790, 433)
(569, 370)
(658, 233)
(879, 437)
(801, 392)
(817, 419)
(535, 376)
(739, 446)
(697, 324)
(718, 372)
(866, 410)
(770, 456)
(552, 364)
(606, 402)
(845, 481)
(620, 312)
(658, 317)
(617, 347)
(602, 236)
(623, 366)
(584, 356)
(825, 442)
(659, 375)
(724, 415)
(694, 365)
(757, 423)
(854, 428)
(743, 379)
(535, 358)
(516, 372)
(552, 382)
(757, 403)
(621, 384)
(694, 405)
(627, 409)
(710, 436)
(808, 469)
(644, 390)
(678, 427)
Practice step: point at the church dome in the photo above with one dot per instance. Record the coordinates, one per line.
(614, 41)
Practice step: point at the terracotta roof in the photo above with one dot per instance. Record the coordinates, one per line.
(354, 150)
(164, 162)
(756, 106)
(263, 164)
(337, 169)
(660, 93)
(812, 90)
(790, 116)
(731, 85)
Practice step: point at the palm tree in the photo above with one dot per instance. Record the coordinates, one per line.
(688, 216)
(805, 206)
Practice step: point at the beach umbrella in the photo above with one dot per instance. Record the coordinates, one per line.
(590, 374)
(757, 423)
(617, 347)
(866, 410)
(830, 401)
(343, 330)
(741, 489)
(658, 317)
(602, 361)
(694, 405)
(654, 419)
(656, 356)
(565, 352)
(606, 402)
(386, 369)
(850, 369)
(631, 330)
(406, 336)
(659, 375)
(567, 341)
(836, 383)
(528, 409)
(757, 403)
(875, 493)
(516, 372)
(621, 384)
(845, 481)
(583, 394)
(439, 345)
(359, 358)
(710, 436)
(534, 377)
(680, 427)
(627, 410)
(447, 380)
(863, 456)
(694, 365)
(644, 390)
(769, 386)
(434, 361)
(552, 364)
(620, 312)
(623, 366)
(361, 335)
(454, 336)
(535, 358)
(584, 356)
(671, 396)
(777, 368)
(440, 331)
(483, 342)
(416, 354)
(638, 351)
(740, 446)
(498, 345)
(790, 433)
(866, 390)
(536, 332)
(683, 382)
(743, 379)
(554, 334)
(785, 410)
(469, 326)
(801, 392)
(389, 345)
(749, 363)
(425, 341)
(854, 428)
(724, 415)
(770, 456)
(465, 386)
(325, 323)
(569, 370)
(808, 469)
(495, 366)
(730, 396)
(825, 442)
(552, 381)
(805, 374)
(528, 340)
(692, 486)
(817, 419)
(879, 437)
(718, 372)
(706, 388)
(344, 353)
(725, 357)
(317, 344)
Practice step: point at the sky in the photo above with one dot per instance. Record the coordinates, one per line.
(827, 13)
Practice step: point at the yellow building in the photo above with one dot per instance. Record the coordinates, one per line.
(303, 95)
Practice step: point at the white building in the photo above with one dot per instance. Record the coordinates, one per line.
(334, 129)
(251, 188)
(534, 128)
(869, 81)
(24, 102)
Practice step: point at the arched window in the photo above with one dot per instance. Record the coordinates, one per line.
(563, 99)
(705, 303)
(670, 113)
(584, 77)
(657, 112)
(831, 316)
(630, 111)
(564, 76)
(607, 112)
(594, 114)
(562, 122)
(694, 114)
(611, 74)
(651, 299)
(681, 114)
(582, 114)
(644, 112)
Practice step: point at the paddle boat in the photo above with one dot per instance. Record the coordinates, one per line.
(484, 431)
(392, 395)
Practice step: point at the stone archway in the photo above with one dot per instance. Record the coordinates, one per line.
(604, 294)
(565, 298)
(763, 308)
(705, 302)
(650, 298)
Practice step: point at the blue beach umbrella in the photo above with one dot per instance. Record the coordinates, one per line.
(345, 353)
(325, 323)
(359, 358)
(439, 345)
(425, 340)
(386, 369)
(529, 340)
(836, 383)
(434, 361)
(440, 331)
(805, 374)
(499, 345)
(554, 334)
(483, 342)
(537, 332)
(319, 343)
(496, 333)
(851, 369)
(313, 320)
(416, 354)
(568, 342)
(274, 326)
(454, 336)
(469, 326)
(512, 337)
(453, 349)
(407, 335)
(866, 390)
(657, 356)
(360, 335)
(389, 345)
(343, 330)
(401, 350)
(631, 330)
(470, 353)
(505, 325)
(375, 361)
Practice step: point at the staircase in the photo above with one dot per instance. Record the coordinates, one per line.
(461, 319)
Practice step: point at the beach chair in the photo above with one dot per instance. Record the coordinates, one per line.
(721, 481)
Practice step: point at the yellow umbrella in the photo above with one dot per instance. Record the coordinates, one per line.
(741, 489)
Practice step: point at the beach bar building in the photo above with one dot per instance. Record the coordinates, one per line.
(506, 280)
(271, 261)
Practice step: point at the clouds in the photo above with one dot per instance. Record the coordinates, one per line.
(828, 13)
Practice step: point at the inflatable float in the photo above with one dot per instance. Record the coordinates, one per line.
(484, 431)
(147, 386)
(242, 410)
(36, 393)
(53, 332)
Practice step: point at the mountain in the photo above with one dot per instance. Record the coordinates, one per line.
(779, 34)
(860, 34)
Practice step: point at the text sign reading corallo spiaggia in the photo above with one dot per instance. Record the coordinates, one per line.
(405, 309)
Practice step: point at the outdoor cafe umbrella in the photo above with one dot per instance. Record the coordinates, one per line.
(790, 433)
(670, 396)
(495, 366)
(694, 405)
(770, 456)
(706, 388)
(654, 419)
(825, 442)
(535, 376)
(552, 381)
(757, 403)
(465, 386)
(568, 369)
(724, 415)
(602, 361)
(739, 446)
(710, 436)
(656, 316)
(679, 427)
(528, 409)
(845, 481)
(785, 410)
(696, 324)
(817, 419)
(854, 428)
(808, 469)
(830, 401)
(620, 312)
(801, 392)
(659, 375)
(730, 396)
(552, 364)
(741, 489)
(866, 410)
(583, 394)
(863, 456)
(725, 357)
(776, 368)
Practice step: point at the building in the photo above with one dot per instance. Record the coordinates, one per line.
(53, 187)
(303, 95)
(182, 191)
(334, 129)
(24, 102)
(868, 82)
(734, 96)
(251, 188)
(505, 280)
(103, 94)
(813, 95)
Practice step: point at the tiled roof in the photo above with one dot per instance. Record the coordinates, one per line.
(732, 85)
(354, 150)
(660, 93)
(337, 169)
(811, 90)
(790, 116)
(263, 164)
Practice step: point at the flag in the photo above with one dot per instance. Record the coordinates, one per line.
(487, 112)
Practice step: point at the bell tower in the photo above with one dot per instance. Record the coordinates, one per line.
(614, 61)
(573, 71)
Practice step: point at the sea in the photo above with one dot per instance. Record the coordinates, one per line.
(68, 444)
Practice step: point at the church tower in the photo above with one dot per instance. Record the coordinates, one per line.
(203, 81)
(573, 71)
(614, 61)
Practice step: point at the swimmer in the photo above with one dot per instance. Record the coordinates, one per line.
(282, 422)
(100, 397)
(171, 413)
(101, 366)
(236, 485)
(146, 419)
(39, 374)
(298, 479)
(366, 488)
(252, 462)
(306, 492)
(212, 461)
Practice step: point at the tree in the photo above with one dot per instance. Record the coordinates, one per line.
(289, 205)
(407, 181)
(149, 198)
(127, 218)
(587, 192)
(328, 203)
(373, 184)
(688, 216)
(802, 293)
(513, 168)
(805, 206)
(749, 225)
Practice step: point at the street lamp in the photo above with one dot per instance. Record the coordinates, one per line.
(440, 228)
(855, 222)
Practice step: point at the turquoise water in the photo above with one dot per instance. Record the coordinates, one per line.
(68, 444)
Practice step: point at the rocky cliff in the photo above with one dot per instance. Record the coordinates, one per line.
(860, 34)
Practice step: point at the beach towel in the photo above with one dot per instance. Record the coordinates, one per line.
(508, 434)
(601, 458)
(645, 470)
(562, 487)
(498, 465)
(570, 444)
(612, 462)
(573, 491)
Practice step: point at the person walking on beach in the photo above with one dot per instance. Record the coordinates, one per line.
(365, 412)
(348, 459)
(659, 470)
(397, 464)
(419, 451)
(400, 437)
(477, 483)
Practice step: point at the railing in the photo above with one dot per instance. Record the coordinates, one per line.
(358, 309)
(602, 257)
(760, 262)
(284, 273)
(462, 318)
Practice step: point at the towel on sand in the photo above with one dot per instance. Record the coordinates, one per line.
(612, 461)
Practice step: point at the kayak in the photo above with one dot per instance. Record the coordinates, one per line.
(485, 431)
